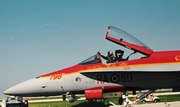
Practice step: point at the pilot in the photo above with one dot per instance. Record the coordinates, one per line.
(110, 57)
(119, 55)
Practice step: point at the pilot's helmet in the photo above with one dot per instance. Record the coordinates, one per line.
(110, 53)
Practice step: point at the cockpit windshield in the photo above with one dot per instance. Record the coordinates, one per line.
(92, 60)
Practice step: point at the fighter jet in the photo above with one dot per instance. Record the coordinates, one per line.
(97, 79)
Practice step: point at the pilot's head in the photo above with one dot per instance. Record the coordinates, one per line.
(110, 53)
(119, 53)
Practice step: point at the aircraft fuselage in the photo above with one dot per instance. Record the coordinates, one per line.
(159, 70)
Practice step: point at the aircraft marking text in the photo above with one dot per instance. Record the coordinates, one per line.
(114, 78)
(56, 77)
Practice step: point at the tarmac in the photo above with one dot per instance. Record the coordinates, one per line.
(162, 104)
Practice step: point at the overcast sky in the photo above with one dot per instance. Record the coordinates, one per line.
(40, 36)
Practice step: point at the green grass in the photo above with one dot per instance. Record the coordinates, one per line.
(55, 104)
(66, 104)
(169, 98)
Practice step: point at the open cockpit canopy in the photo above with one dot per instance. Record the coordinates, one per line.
(124, 39)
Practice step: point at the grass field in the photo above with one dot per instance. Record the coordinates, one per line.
(81, 103)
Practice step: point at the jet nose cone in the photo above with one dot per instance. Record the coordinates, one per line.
(22, 88)
(7, 92)
(15, 90)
